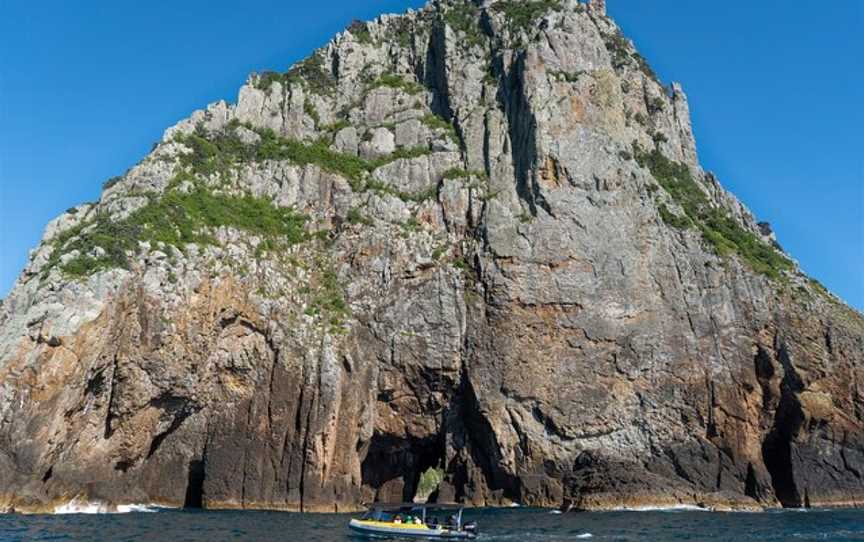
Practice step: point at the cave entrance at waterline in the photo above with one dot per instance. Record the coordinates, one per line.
(402, 469)
(195, 486)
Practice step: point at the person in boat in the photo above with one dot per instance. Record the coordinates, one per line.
(397, 519)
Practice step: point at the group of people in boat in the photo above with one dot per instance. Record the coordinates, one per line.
(427, 520)
(432, 522)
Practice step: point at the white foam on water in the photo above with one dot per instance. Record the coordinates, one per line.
(586, 535)
(676, 508)
(76, 506)
(556, 512)
(131, 508)
(81, 507)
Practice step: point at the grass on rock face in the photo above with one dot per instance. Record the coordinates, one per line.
(176, 218)
(719, 229)
(190, 210)
(435, 122)
(464, 17)
(391, 80)
(620, 49)
(459, 173)
(310, 72)
(219, 153)
(360, 31)
(522, 15)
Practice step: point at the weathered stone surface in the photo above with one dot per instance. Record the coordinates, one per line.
(518, 310)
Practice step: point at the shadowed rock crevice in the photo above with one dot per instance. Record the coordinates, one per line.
(195, 485)
(777, 449)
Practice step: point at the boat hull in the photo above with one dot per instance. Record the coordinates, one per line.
(380, 529)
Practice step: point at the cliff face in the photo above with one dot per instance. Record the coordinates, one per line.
(473, 236)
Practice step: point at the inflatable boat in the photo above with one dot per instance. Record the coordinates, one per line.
(411, 520)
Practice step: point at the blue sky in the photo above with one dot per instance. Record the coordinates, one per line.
(775, 90)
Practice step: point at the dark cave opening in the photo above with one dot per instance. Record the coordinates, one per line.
(751, 485)
(394, 464)
(777, 453)
(788, 419)
(195, 485)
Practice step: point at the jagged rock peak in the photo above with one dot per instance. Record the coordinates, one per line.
(474, 240)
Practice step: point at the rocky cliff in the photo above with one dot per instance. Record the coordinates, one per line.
(474, 237)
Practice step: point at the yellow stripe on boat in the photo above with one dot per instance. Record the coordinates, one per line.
(393, 525)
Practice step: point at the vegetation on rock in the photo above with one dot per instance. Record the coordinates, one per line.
(310, 72)
(428, 482)
(721, 231)
(182, 215)
(464, 18)
(522, 16)
(391, 80)
(624, 55)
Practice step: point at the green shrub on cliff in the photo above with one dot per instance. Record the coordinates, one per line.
(464, 17)
(391, 80)
(310, 72)
(522, 15)
(360, 31)
(429, 481)
(175, 219)
(721, 231)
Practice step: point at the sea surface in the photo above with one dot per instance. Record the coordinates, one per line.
(495, 525)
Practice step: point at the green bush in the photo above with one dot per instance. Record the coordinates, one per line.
(656, 105)
(311, 112)
(522, 15)
(464, 18)
(356, 217)
(435, 122)
(721, 231)
(659, 137)
(619, 48)
(429, 481)
(273, 147)
(644, 67)
(360, 30)
(460, 173)
(266, 79)
(400, 31)
(175, 219)
(680, 222)
(220, 153)
(111, 182)
(213, 154)
(391, 80)
(570, 77)
(377, 186)
(313, 73)
(329, 297)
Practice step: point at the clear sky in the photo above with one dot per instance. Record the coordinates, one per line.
(775, 89)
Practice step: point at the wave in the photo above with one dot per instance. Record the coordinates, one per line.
(76, 506)
(673, 508)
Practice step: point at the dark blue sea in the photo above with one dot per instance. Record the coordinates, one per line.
(496, 525)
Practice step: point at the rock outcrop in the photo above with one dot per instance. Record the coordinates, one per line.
(474, 237)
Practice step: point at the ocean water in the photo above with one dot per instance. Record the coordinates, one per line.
(515, 525)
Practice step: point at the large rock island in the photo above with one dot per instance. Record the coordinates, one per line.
(474, 238)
